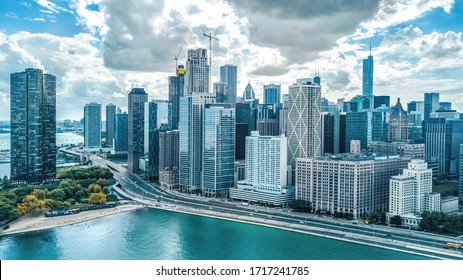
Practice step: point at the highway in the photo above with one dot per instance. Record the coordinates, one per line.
(401, 239)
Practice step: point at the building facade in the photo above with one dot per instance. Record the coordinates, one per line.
(304, 120)
(219, 150)
(228, 75)
(169, 158)
(367, 80)
(110, 112)
(431, 104)
(265, 172)
(136, 127)
(121, 129)
(197, 73)
(92, 126)
(398, 124)
(272, 94)
(176, 89)
(33, 125)
(350, 185)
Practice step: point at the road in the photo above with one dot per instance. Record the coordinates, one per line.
(400, 239)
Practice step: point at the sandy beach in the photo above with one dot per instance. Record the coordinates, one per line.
(35, 223)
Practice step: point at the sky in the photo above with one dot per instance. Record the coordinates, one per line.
(100, 49)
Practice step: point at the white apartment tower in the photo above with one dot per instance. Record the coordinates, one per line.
(411, 193)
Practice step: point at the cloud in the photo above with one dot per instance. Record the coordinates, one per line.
(93, 20)
(393, 12)
(302, 30)
(50, 6)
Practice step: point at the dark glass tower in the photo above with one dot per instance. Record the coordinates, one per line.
(110, 112)
(33, 125)
(367, 81)
(176, 88)
(137, 99)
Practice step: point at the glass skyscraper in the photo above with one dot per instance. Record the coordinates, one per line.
(92, 126)
(228, 75)
(176, 89)
(367, 81)
(431, 104)
(137, 99)
(33, 125)
(272, 94)
(218, 150)
(121, 128)
(110, 112)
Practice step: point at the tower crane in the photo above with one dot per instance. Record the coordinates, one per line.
(210, 52)
(176, 58)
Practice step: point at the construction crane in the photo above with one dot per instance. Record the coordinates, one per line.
(176, 58)
(210, 53)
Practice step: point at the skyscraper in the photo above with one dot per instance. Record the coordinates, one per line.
(168, 158)
(33, 125)
(367, 81)
(191, 141)
(248, 94)
(304, 121)
(431, 104)
(272, 94)
(137, 99)
(228, 75)
(156, 120)
(121, 128)
(92, 127)
(110, 112)
(176, 89)
(357, 128)
(219, 150)
(220, 90)
(197, 73)
(398, 124)
(266, 176)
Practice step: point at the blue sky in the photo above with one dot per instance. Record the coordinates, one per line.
(100, 49)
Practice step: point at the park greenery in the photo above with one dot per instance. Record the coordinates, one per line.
(441, 223)
(73, 188)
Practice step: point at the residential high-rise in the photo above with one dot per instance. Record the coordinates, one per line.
(304, 121)
(411, 193)
(367, 81)
(266, 172)
(380, 123)
(272, 94)
(121, 128)
(156, 120)
(197, 73)
(176, 89)
(110, 112)
(218, 150)
(241, 131)
(267, 119)
(92, 126)
(355, 186)
(431, 104)
(228, 75)
(191, 141)
(168, 158)
(33, 125)
(136, 129)
(398, 124)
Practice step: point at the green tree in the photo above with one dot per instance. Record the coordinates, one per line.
(101, 182)
(300, 205)
(7, 211)
(111, 197)
(40, 194)
(396, 221)
(94, 188)
(32, 205)
(97, 198)
(57, 194)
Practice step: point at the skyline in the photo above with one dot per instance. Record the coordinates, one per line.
(100, 50)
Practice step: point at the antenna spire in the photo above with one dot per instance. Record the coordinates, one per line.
(370, 48)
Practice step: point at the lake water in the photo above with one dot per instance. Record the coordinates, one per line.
(162, 235)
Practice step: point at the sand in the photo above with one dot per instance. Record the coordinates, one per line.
(28, 223)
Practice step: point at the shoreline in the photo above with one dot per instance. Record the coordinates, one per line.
(26, 224)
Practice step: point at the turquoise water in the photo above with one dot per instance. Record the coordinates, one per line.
(156, 234)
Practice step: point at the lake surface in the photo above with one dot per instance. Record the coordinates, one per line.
(162, 235)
